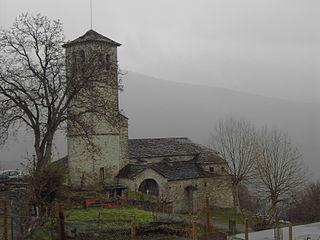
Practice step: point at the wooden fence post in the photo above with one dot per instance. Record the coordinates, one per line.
(194, 230)
(5, 220)
(133, 229)
(246, 230)
(208, 227)
(11, 228)
(61, 223)
(290, 231)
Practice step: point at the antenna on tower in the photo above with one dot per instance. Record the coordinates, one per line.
(90, 14)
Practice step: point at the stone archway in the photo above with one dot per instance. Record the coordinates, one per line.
(149, 186)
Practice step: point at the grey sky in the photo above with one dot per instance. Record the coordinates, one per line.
(269, 47)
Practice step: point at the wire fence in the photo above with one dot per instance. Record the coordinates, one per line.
(118, 223)
(105, 225)
(23, 227)
(111, 224)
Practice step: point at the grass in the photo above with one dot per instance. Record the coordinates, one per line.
(91, 194)
(153, 237)
(95, 218)
(142, 196)
(226, 214)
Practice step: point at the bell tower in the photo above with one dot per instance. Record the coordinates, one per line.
(97, 134)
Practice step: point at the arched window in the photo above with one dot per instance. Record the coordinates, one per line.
(108, 62)
(78, 60)
(82, 57)
(101, 60)
(74, 62)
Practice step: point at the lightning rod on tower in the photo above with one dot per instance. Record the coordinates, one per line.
(90, 14)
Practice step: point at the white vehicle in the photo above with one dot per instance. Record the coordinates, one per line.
(13, 175)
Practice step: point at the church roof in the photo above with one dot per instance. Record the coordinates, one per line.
(160, 147)
(173, 171)
(131, 170)
(180, 170)
(168, 147)
(92, 36)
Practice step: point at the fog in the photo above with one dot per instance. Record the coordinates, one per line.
(266, 52)
(159, 108)
(265, 47)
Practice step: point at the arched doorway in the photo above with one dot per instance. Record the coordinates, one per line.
(149, 186)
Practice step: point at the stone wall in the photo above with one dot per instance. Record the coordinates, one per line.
(124, 158)
(86, 162)
(133, 184)
(218, 189)
(100, 157)
(218, 168)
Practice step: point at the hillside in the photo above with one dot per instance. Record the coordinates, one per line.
(158, 108)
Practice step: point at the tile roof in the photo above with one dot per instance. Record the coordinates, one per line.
(168, 147)
(209, 156)
(92, 36)
(160, 147)
(173, 171)
(131, 170)
(179, 170)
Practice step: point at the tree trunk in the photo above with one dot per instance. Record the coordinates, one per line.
(236, 202)
(273, 213)
(44, 153)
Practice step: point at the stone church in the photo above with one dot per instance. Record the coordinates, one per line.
(176, 170)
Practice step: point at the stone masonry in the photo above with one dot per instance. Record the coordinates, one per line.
(176, 170)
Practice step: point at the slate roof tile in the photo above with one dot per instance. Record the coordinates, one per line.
(168, 147)
(173, 171)
(155, 147)
(91, 36)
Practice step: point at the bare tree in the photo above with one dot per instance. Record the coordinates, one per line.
(37, 92)
(34, 90)
(279, 168)
(235, 140)
(304, 207)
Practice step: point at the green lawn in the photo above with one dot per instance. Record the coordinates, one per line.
(95, 218)
(225, 214)
(142, 196)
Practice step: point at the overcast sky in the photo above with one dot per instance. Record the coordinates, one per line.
(268, 47)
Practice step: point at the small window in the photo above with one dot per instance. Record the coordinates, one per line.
(205, 184)
(211, 169)
(101, 60)
(82, 57)
(108, 62)
(118, 193)
(74, 62)
(111, 194)
(223, 169)
(78, 61)
(102, 174)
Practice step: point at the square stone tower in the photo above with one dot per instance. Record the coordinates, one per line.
(97, 133)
